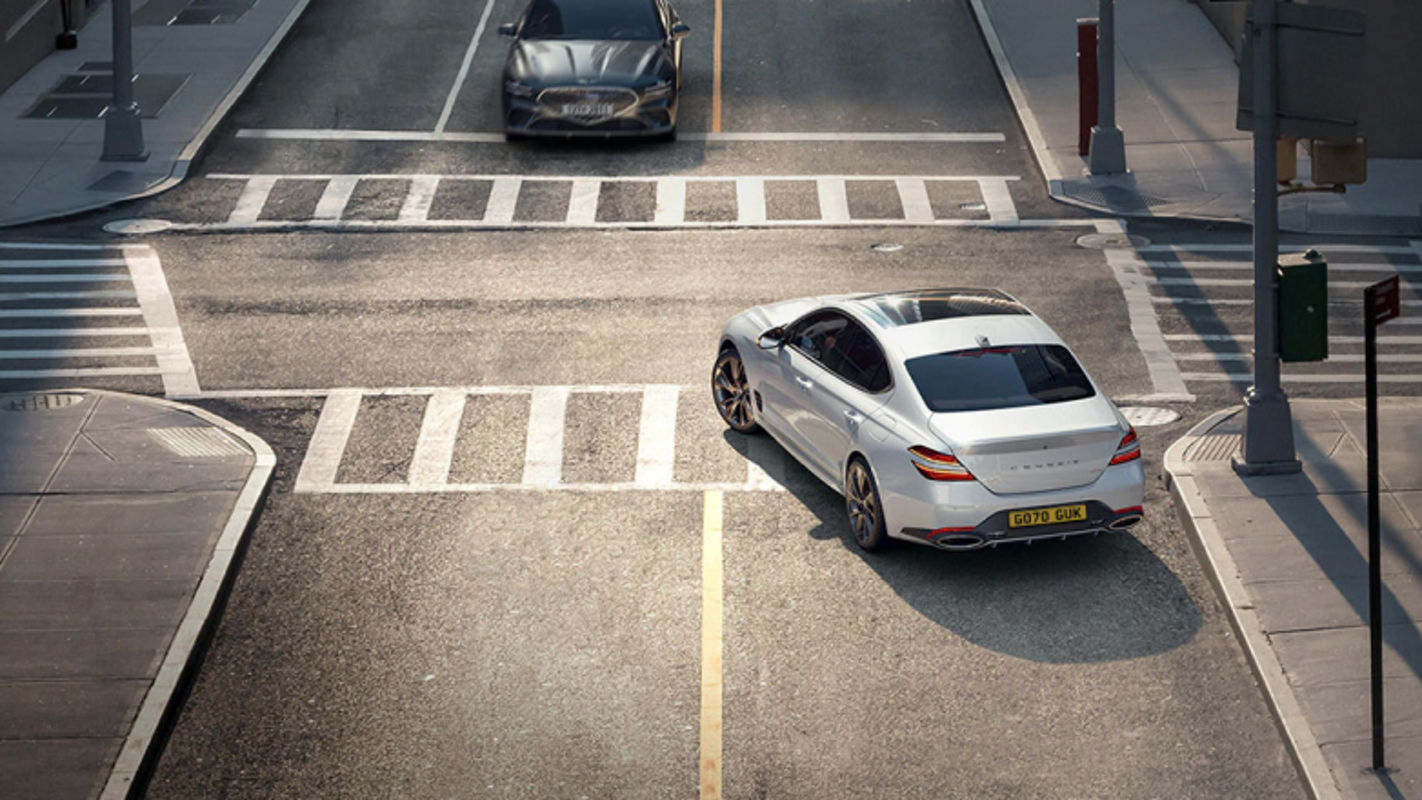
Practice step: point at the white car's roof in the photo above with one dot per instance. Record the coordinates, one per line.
(943, 320)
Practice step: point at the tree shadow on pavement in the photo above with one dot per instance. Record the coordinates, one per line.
(1081, 600)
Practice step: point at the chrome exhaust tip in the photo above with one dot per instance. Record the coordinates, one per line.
(960, 541)
(1121, 523)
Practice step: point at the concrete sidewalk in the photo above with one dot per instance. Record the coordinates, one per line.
(1176, 92)
(1289, 557)
(189, 76)
(119, 523)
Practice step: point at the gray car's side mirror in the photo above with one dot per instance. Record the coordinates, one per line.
(771, 339)
(680, 30)
(509, 29)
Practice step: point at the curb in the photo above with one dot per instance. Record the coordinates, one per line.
(1035, 138)
(138, 752)
(179, 169)
(1219, 565)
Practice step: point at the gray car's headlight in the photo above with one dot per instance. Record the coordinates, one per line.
(518, 89)
(658, 90)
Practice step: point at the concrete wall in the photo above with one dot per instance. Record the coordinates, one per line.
(1391, 86)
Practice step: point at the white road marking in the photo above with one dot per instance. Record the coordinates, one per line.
(750, 201)
(913, 193)
(96, 293)
(253, 198)
(337, 194)
(1249, 337)
(543, 453)
(328, 441)
(1165, 375)
(66, 278)
(59, 263)
(656, 436)
(434, 450)
(77, 372)
(1244, 377)
(1226, 282)
(998, 200)
(834, 201)
(442, 135)
(582, 201)
(52, 246)
(1206, 301)
(671, 202)
(1333, 358)
(463, 69)
(47, 333)
(762, 450)
(1242, 266)
(78, 352)
(477, 488)
(151, 288)
(1211, 247)
(418, 200)
(324, 176)
(39, 313)
(503, 199)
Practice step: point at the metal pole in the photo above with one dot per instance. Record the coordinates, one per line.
(1268, 423)
(1370, 360)
(123, 127)
(1108, 145)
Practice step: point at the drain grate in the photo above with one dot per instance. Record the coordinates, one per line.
(49, 401)
(1214, 447)
(197, 442)
(1114, 197)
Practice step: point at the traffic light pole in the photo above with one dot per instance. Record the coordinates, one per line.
(123, 127)
(1268, 422)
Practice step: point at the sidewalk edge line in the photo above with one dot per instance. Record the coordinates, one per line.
(1045, 162)
(138, 750)
(1220, 567)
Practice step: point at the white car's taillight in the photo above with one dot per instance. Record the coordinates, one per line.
(938, 466)
(1128, 450)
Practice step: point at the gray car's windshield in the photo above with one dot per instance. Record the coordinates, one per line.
(592, 19)
(998, 377)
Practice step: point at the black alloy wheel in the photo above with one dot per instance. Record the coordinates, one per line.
(732, 392)
(861, 502)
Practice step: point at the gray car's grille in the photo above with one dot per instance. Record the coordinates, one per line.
(587, 103)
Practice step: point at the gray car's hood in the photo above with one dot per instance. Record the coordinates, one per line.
(552, 62)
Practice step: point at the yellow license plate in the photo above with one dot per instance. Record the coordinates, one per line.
(1046, 516)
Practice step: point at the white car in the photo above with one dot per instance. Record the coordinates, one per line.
(950, 417)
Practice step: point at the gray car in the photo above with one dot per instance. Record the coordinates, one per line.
(593, 68)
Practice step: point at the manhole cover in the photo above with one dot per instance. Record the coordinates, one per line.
(1108, 241)
(1148, 416)
(41, 402)
(887, 247)
(137, 227)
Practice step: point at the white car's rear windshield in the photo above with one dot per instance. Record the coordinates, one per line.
(999, 377)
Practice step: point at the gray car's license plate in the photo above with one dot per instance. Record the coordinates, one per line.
(587, 109)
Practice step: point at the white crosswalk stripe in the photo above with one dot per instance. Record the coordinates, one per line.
(256, 206)
(154, 345)
(1202, 293)
(543, 458)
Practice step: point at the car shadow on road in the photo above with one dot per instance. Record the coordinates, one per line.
(1081, 600)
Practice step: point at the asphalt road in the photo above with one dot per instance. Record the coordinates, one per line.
(533, 644)
(536, 644)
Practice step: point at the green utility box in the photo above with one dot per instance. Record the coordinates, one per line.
(1303, 307)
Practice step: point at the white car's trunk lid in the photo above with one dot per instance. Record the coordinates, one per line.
(1033, 448)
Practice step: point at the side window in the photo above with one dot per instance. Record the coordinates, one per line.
(859, 360)
(815, 335)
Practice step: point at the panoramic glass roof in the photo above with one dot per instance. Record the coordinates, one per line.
(905, 308)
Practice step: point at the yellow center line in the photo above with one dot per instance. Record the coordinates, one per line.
(711, 590)
(716, 72)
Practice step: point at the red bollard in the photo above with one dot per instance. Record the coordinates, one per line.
(1087, 93)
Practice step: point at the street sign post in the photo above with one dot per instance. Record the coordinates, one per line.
(1380, 304)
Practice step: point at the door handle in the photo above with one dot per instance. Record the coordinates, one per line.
(853, 417)
(805, 383)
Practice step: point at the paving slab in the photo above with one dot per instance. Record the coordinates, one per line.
(112, 555)
(1288, 556)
